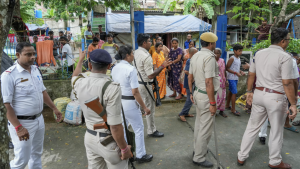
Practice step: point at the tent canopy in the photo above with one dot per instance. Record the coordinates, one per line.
(33, 27)
(120, 23)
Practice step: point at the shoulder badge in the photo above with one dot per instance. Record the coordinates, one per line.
(9, 70)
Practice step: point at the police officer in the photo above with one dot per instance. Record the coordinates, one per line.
(204, 70)
(87, 87)
(126, 75)
(144, 66)
(274, 82)
(24, 95)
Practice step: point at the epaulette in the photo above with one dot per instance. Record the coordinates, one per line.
(79, 76)
(9, 70)
(112, 82)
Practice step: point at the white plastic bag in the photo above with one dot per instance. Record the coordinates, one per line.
(73, 113)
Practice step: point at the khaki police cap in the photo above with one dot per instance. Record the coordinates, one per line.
(209, 37)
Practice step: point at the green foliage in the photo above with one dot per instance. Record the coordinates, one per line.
(292, 47)
(11, 31)
(82, 31)
(123, 6)
(62, 73)
(27, 12)
(207, 5)
(209, 10)
(290, 8)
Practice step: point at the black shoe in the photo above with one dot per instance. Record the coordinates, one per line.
(10, 145)
(156, 134)
(205, 164)
(144, 159)
(262, 140)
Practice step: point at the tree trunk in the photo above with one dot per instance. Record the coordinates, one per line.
(18, 25)
(282, 15)
(271, 13)
(5, 23)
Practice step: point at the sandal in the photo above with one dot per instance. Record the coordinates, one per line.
(293, 129)
(178, 97)
(248, 111)
(222, 114)
(228, 108)
(189, 115)
(182, 118)
(173, 95)
(296, 123)
(236, 113)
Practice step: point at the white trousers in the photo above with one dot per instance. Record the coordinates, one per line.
(263, 129)
(133, 116)
(30, 151)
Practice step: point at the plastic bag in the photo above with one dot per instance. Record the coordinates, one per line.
(73, 113)
(61, 104)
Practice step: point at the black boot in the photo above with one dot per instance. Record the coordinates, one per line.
(144, 159)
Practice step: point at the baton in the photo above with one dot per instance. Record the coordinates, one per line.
(216, 143)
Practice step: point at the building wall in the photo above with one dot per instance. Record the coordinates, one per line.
(58, 88)
(60, 26)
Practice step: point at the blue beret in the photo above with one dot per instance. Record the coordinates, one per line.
(100, 56)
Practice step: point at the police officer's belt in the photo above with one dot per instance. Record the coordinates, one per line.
(29, 117)
(92, 132)
(128, 97)
(201, 91)
(146, 83)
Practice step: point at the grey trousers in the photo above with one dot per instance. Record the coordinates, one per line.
(266, 105)
(151, 128)
(203, 126)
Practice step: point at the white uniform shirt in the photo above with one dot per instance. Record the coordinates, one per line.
(23, 90)
(295, 69)
(69, 56)
(126, 75)
(144, 63)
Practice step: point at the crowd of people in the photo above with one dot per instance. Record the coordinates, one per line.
(201, 75)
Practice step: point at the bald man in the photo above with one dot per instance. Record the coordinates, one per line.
(188, 103)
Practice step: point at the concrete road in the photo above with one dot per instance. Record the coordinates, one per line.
(64, 144)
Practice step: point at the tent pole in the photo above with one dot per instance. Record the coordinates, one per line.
(132, 24)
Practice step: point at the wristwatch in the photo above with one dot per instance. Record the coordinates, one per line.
(249, 91)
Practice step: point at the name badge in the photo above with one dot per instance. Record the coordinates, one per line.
(24, 80)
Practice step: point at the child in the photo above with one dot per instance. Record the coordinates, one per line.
(234, 72)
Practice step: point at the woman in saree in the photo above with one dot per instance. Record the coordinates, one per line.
(221, 93)
(175, 69)
(158, 58)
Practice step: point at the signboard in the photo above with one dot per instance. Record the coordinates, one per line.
(245, 57)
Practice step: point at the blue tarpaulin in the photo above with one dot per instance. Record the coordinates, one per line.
(120, 23)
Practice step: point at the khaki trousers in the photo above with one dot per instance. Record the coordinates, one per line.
(266, 105)
(100, 157)
(203, 126)
(151, 105)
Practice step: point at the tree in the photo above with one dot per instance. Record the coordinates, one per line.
(207, 5)
(283, 16)
(7, 9)
(248, 11)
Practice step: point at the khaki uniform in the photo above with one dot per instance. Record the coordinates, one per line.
(100, 157)
(271, 65)
(144, 65)
(203, 65)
